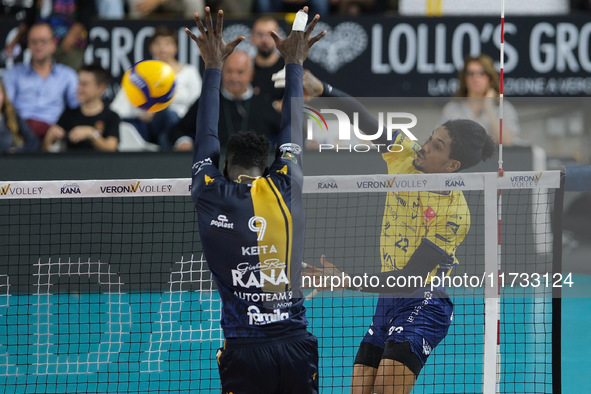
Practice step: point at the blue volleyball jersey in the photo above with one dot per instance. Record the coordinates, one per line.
(252, 234)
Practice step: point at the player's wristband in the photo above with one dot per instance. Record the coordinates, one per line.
(96, 134)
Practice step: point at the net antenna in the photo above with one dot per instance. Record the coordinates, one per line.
(492, 358)
(500, 193)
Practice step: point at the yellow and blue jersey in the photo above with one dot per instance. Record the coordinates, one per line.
(252, 234)
(441, 217)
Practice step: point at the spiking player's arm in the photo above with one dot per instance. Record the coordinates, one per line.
(367, 123)
(214, 52)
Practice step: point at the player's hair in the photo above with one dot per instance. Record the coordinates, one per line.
(101, 75)
(489, 68)
(470, 143)
(163, 31)
(247, 150)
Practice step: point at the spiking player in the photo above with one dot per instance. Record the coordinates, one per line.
(420, 234)
(251, 228)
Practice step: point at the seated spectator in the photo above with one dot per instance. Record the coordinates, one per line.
(69, 20)
(15, 134)
(93, 126)
(155, 127)
(41, 91)
(240, 108)
(479, 83)
(181, 8)
(163, 46)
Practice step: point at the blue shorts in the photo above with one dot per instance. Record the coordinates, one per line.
(423, 322)
(270, 365)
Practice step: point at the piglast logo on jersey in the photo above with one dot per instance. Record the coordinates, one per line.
(222, 222)
(71, 188)
(429, 214)
(258, 318)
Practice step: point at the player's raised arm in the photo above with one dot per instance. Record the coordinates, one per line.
(214, 52)
(295, 49)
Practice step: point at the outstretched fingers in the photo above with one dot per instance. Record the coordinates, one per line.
(208, 21)
(220, 23)
(199, 25)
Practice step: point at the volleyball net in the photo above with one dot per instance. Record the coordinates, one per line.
(104, 287)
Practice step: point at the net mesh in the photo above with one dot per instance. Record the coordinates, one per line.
(112, 294)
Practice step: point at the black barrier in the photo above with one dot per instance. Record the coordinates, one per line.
(394, 56)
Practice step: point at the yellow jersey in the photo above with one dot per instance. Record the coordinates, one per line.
(442, 217)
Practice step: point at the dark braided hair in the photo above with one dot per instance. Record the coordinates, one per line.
(470, 142)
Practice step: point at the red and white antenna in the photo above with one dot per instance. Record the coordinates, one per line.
(500, 191)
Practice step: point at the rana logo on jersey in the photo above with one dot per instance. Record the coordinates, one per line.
(222, 222)
(271, 271)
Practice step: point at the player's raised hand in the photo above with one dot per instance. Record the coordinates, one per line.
(320, 279)
(214, 50)
(296, 46)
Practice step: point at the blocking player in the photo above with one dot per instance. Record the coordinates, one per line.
(251, 228)
(420, 233)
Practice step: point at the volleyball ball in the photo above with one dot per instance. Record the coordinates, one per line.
(149, 85)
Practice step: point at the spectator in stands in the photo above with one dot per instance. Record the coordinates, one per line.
(93, 126)
(15, 134)
(180, 8)
(267, 60)
(69, 20)
(110, 9)
(155, 127)
(240, 108)
(163, 45)
(479, 83)
(41, 91)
